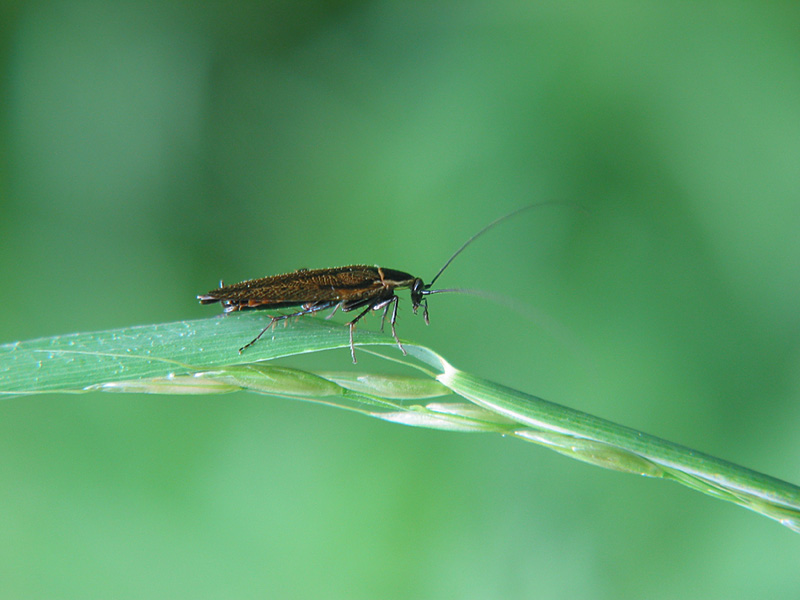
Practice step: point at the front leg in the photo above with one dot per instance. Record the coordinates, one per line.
(372, 304)
(385, 305)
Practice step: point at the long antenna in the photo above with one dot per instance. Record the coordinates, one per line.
(484, 230)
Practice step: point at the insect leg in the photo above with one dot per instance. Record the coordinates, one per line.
(333, 312)
(373, 303)
(258, 337)
(352, 330)
(312, 308)
(385, 305)
(383, 316)
(392, 321)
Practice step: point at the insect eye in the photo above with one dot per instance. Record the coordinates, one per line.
(416, 293)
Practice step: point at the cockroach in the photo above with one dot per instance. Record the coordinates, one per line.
(346, 288)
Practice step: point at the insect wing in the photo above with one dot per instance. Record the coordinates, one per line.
(306, 286)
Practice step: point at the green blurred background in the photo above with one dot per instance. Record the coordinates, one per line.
(148, 149)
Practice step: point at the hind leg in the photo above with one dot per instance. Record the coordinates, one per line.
(307, 309)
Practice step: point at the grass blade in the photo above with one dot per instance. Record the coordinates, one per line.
(200, 357)
(72, 362)
(606, 444)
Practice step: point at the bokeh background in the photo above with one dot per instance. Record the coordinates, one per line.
(148, 149)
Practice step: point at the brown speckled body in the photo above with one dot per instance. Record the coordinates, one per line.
(349, 285)
(346, 288)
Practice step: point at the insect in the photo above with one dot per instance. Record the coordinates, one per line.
(347, 288)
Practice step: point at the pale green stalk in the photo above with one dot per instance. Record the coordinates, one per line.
(200, 357)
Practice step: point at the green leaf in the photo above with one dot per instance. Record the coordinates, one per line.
(201, 357)
(70, 363)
